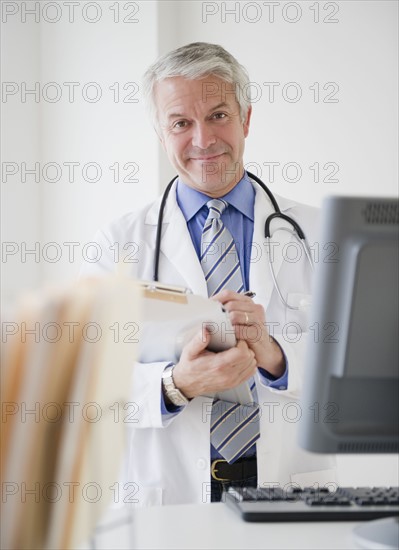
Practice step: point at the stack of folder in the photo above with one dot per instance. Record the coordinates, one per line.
(66, 375)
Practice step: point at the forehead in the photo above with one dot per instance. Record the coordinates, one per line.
(179, 94)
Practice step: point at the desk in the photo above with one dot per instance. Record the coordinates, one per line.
(211, 526)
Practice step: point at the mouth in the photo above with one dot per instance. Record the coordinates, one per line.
(207, 158)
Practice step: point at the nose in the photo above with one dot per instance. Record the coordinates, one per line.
(203, 135)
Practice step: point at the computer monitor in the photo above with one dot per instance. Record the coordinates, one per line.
(350, 400)
(351, 394)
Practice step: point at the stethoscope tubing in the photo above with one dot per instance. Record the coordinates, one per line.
(277, 214)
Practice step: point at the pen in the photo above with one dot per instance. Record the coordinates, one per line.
(250, 294)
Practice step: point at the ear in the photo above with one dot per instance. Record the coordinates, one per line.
(247, 121)
(158, 131)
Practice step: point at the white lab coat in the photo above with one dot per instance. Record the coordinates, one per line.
(168, 462)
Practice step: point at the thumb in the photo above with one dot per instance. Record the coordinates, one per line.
(241, 344)
(198, 343)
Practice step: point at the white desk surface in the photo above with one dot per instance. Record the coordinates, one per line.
(213, 526)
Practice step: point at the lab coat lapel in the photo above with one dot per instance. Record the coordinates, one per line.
(260, 276)
(177, 246)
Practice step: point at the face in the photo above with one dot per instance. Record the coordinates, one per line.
(202, 132)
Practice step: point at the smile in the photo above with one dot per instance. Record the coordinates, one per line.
(207, 158)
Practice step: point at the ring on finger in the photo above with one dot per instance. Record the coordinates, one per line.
(246, 318)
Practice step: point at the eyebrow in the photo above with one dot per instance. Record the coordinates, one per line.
(215, 108)
(219, 106)
(175, 115)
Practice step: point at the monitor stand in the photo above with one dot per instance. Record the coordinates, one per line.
(378, 534)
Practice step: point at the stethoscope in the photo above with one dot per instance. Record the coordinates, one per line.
(277, 214)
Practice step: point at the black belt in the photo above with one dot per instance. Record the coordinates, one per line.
(240, 470)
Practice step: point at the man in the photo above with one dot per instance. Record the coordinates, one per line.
(198, 99)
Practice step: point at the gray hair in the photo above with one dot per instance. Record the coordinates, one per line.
(194, 61)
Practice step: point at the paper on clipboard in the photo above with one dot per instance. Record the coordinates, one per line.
(171, 316)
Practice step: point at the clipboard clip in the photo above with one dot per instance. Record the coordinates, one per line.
(162, 291)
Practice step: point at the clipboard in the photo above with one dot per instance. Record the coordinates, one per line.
(171, 316)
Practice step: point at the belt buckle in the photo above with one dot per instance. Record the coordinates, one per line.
(213, 470)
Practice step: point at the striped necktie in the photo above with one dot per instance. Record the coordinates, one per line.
(219, 257)
(234, 427)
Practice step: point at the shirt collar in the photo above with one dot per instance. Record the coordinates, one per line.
(242, 197)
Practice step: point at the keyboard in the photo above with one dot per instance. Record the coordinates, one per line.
(309, 504)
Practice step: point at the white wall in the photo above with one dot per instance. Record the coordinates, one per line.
(88, 116)
(356, 57)
(21, 122)
(109, 133)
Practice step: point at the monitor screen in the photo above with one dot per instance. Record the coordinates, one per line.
(350, 399)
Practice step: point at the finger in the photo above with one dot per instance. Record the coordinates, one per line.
(225, 296)
(246, 315)
(242, 304)
(252, 333)
(243, 319)
(248, 370)
(247, 353)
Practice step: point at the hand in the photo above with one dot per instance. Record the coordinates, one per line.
(202, 372)
(249, 322)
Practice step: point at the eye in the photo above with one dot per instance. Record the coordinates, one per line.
(219, 116)
(180, 124)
